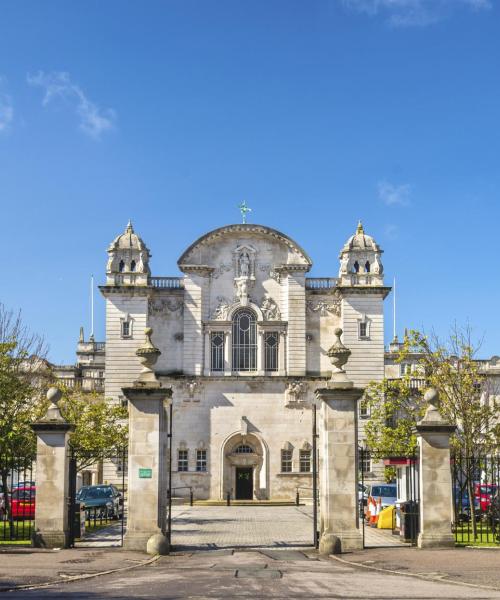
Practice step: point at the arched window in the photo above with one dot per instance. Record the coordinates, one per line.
(121, 266)
(367, 266)
(243, 449)
(356, 267)
(244, 341)
(132, 265)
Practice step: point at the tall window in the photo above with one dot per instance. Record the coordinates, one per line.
(363, 329)
(365, 461)
(286, 461)
(305, 461)
(126, 329)
(182, 460)
(201, 461)
(271, 345)
(217, 351)
(244, 341)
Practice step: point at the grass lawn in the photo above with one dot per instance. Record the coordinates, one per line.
(485, 537)
(22, 532)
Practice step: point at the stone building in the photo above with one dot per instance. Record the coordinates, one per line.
(244, 335)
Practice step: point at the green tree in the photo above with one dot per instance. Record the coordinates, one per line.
(100, 431)
(467, 399)
(23, 376)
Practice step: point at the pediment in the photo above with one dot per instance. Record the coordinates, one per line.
(246, 238)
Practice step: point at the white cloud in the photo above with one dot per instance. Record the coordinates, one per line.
(393, 195)
(94, 121)
(6, 108)
(413, 13)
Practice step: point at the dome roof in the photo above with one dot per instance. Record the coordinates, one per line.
(128, 240)
(360, 241)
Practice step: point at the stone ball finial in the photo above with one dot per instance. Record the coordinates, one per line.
(338, 332)
(432, 397)
(54, 395)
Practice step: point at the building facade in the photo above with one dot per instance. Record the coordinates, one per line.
(244, 336)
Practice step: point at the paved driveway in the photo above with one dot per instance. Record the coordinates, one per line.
(214, 527)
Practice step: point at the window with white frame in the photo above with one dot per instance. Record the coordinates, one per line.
(286, 461)
(217, 351)
(305, 461)
(365, 462)
(364, 328)
(271, 346)
(201, 461)
(244, 340)
(182, 460)
(126, 327)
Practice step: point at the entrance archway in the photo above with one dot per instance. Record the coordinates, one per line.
(245, 466)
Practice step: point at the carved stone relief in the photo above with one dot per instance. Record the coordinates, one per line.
(220, 312)
(193, 391)
(270, 309)
(295, 393)
(160, 306)
(323, 306)
(221, 269)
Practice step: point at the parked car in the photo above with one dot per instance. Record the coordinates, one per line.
(387, 492)
(483, 493)
(101, 500)
(23, 484)
(22, 502)
(461, 504)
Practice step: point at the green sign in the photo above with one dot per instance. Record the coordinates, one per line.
(145, 473)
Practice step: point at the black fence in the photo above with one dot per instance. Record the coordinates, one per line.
(400, 491)
(476, 499)
(17, 499)
(100, 503)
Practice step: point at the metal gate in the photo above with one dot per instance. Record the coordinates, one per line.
(97, 509)
(388, 497)
(17, 499)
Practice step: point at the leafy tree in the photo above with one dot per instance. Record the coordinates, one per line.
(467, 399)
(100, 431)
(23, 374)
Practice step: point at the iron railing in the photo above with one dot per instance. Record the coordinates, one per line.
(17, 499)
(476, 498)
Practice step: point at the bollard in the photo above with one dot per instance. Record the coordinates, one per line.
(228, 498)
(297, 498)
(191, 497)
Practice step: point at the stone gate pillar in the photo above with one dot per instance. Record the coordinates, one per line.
(339, 525)
(436, 500)
(52, 477)
(147, 457)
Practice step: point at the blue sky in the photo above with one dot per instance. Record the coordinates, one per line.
(316, 113)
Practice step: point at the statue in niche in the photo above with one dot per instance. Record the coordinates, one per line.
(244, 265)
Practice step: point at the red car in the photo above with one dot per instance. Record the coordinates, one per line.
(483, 493)
(23, 503)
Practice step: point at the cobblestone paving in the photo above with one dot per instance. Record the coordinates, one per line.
(213, 527)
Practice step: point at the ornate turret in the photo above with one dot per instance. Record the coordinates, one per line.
(128, 260)
(360, 263)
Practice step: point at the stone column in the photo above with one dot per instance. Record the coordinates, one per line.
(339, 524)
(433, 436)
(147, 457)
(52, 477)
